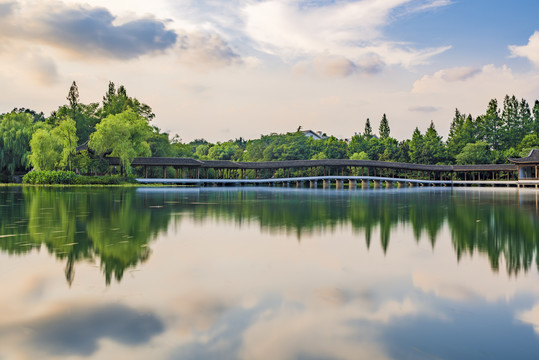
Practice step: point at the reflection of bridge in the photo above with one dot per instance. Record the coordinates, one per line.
(326, 182)
(343, 172)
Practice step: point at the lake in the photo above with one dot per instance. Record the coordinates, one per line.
(268, 273)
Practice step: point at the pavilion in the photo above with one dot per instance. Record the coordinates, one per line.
(527, 166)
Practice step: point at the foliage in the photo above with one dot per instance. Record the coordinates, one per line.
(384, 128)
(46, 150)
(360, 156)
(16, 130)
(49, 177)
(124, 135)
(476, 153)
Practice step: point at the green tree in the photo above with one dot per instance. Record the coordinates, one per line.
(15, 133)
(46, 150)
(490, 125)
(117, 101)
(461, 132)
(66, 134)
(359, 156)
(476, 153)
(367, 132)
(73, 98)
(535, 120)
(225, 151)
(391, 150)
(384, 128)
(433, 147)
(529, 142)
(124, 135)
(416, 147)
(511, 128)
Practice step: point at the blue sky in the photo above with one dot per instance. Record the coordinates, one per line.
(225, 69)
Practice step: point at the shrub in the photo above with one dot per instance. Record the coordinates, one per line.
(50, 177)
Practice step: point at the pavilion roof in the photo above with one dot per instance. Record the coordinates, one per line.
(532, 158)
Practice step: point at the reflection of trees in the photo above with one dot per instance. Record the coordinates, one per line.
(508, 228)
(80, 224)
(115, 225)
(495, 223)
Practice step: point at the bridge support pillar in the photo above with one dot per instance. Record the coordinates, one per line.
(326, 184)
(401, 184)
(286, 184)
(313, 184)
(389, 184)
(352, 184)
(376, 184)
(299, 184)
(339, 184)
(365, 184)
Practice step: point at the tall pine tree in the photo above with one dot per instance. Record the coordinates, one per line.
(384, 128)
(368, 129)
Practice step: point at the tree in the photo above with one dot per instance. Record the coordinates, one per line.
(416, 147)
(73, 98)
(66, 134)
(225, 151)
(15, 133)
(390, 149)
(490, 125)
(359, 156)
(116, 101)
(535, 121)
(368, 129)
(123, 135)
(46, 152)
(476, 153)
(529, 142)
(433, 147)
(384, 128)
(510, 125)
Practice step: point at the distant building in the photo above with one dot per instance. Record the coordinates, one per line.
(316, 135)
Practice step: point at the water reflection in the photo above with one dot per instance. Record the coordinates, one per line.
(79, 224)
(269, 274)
(116, 225)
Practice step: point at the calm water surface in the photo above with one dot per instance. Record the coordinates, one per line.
(241, 273)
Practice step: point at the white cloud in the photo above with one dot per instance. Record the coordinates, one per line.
(531, 317)
(455, 77)
(205, 51)
(351, 30)
(529, 51)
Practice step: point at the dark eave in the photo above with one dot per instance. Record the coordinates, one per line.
(532, 158)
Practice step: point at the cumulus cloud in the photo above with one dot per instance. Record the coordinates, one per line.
(437, 80)
(85, 31)
(349, 30)
(529, 51)
(204, 51)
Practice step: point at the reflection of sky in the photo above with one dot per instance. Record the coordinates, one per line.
(214, 289)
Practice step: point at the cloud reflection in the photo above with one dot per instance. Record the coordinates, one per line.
(78, 331)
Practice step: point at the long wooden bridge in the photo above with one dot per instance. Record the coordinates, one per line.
(323, 173)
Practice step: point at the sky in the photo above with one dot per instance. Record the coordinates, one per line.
(221, 70)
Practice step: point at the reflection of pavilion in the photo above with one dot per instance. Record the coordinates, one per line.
(527, 166)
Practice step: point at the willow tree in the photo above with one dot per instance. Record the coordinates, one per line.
(46, 151)
(124, 136)
(15, 133)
